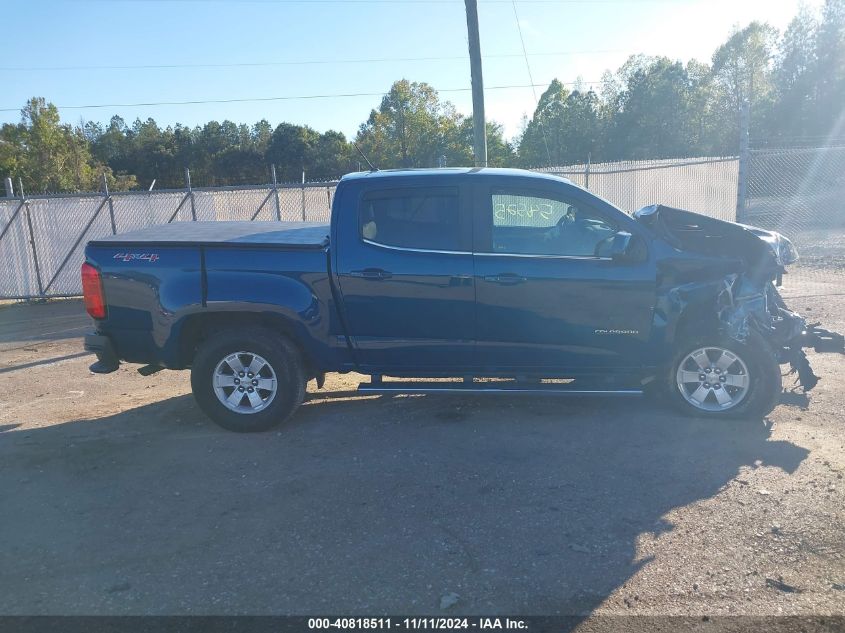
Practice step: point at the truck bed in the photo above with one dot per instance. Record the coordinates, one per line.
(295, 235)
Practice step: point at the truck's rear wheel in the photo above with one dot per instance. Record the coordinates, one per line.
(720, 377)
(248, 380)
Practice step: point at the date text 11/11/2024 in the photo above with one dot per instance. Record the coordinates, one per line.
(418, 623)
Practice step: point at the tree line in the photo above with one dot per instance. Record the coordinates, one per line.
(651, 107)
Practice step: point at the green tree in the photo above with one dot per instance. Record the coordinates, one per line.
(331, 157)
(12, 154)
(742, 70)
(703, 123)
(655, 111)
(261, 134)
(564, 129)
(411, 128)
(50, 156)
(459, 150)
(829, 110)
(793, 77)
(291, 149)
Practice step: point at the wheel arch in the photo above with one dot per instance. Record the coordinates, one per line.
(197, 328)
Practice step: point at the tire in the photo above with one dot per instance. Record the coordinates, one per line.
(221, 379)
(733, 380)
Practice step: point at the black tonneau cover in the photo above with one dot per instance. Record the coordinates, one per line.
(259, 233)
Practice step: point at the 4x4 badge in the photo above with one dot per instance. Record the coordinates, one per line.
(128, 257)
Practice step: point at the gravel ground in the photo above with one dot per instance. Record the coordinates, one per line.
(119, 497)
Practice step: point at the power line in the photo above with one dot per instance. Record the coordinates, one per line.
(304, 62)
(284, 98)
(531, 79)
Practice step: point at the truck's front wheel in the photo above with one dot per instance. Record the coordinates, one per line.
(248, 380)
(720, 377)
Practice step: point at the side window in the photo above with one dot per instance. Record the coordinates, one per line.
(537, 225)
(411, 219)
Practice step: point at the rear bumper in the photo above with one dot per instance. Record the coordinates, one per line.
(107, 360)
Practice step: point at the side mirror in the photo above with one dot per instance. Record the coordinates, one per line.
(620, 244)
(625, 248)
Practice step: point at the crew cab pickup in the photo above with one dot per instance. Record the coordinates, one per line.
(505, 281)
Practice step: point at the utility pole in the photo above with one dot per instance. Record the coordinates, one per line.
(478, 122)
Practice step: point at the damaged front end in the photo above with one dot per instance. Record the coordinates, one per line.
(745, 305)
(744, 296)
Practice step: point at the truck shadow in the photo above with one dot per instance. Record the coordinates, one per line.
(376, 505)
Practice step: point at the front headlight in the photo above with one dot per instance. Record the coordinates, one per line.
(785, 251)
(782, 248)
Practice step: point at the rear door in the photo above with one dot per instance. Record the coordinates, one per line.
(549, 298)
(405, 271)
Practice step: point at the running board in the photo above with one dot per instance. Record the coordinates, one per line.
(543, 389)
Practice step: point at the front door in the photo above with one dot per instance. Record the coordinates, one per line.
(405, 273)
(549, 298)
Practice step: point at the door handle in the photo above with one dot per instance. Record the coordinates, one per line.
(507, 279)
(371, 273)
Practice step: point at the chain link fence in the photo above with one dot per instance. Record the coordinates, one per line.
(797, 192)
(42, 238)
(800, 192)
(703, 185)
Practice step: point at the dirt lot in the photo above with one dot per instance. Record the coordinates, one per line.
(119, 497)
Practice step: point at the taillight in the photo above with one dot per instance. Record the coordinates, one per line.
(92, 292)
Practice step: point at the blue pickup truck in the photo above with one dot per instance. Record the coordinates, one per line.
(505, 281)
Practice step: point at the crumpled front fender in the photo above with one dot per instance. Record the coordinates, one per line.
(735, 305)
(746, 305)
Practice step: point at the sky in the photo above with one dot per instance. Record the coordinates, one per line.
(124, 52)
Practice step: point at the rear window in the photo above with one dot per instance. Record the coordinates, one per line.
(413, 218)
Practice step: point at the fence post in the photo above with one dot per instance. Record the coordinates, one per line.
(587, 171)
(31, 240)
(10, 190)
(329, 198)
(276, 192)
(190, 193)
(744, 162)
(303, 195)
(111, 204)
